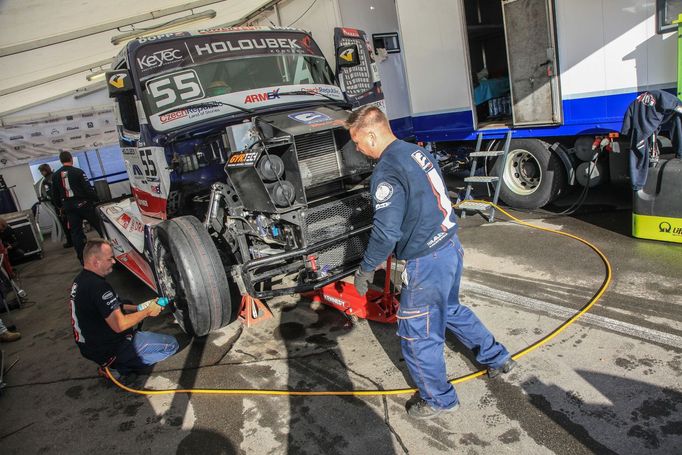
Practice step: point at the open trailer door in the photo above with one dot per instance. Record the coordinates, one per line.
(356, 70)
(531, 51)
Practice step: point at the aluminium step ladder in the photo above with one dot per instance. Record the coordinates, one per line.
(486, 210)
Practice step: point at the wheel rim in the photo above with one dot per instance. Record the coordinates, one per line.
(522, 172)
(169, 278)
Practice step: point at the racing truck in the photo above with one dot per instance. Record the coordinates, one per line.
(244, 181)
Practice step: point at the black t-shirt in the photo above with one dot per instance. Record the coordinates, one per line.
(92, 301)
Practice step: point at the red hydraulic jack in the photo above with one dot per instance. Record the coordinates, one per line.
(380, 306)
(252, 311)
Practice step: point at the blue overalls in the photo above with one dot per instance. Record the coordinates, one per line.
(413, 216)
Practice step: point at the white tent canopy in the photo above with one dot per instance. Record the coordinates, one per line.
(41, 40)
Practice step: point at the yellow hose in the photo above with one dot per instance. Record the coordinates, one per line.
(459, 380)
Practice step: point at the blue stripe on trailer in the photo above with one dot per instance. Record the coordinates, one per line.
(593, 115)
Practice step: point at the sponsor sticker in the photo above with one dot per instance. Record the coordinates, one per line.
(114, 210)
(310, 117)
(124, 220)
(117, 81)
(158, 59)
(347, 54)
(353, 33)
(384, 192)
(242, 159)
(262, 97)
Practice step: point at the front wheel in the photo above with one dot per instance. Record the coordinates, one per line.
(192, 275)
(532, 176)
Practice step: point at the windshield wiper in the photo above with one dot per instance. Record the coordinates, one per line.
(209, 104)
(311, 93)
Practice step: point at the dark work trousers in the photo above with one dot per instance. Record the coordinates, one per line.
(429, 303)
(75, 213)
(65, 226)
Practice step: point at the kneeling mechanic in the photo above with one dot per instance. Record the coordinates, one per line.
(103, 332)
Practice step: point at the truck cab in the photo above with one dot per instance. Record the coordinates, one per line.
(244, 180)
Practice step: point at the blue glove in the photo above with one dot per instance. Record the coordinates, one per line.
(363, 280)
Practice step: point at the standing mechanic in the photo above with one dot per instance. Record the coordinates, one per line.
(48, 181)
(413, 216)
(72, 194)
(103, 324)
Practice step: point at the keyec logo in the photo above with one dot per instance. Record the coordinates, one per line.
(159, 58)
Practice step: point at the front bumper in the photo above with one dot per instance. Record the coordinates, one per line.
(344, 254)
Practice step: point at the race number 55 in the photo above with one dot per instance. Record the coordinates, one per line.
(175, 89)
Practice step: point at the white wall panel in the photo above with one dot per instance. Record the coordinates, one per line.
(611, 46)
(434, 52)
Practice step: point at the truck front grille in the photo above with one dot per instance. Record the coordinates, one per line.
(318, 157)
(342, 253)
(336, 217)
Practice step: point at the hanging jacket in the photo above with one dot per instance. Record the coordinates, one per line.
(644, 117)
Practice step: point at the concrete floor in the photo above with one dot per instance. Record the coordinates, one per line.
(611, 383)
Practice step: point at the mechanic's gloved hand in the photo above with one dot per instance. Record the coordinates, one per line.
(363, 280)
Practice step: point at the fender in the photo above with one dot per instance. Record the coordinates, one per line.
(563, 156)
(130, 235)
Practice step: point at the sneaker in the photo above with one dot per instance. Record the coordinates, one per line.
(9, 336)
(504, 369)
(420, 409)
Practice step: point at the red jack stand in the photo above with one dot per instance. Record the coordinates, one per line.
(252, 311)
(380, 306)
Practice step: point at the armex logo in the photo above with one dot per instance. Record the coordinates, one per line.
(261, 97)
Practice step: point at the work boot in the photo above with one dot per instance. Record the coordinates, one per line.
(8, 336)
(504, 369)
(420, 409)
(102, 373)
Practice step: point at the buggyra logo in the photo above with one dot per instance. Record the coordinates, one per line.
(159, 58)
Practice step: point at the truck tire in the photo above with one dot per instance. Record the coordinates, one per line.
(532, 175)
(192, 275)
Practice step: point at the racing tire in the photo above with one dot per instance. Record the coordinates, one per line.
(532, 175)
(191, 273)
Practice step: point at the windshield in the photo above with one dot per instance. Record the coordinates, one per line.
(207, 76)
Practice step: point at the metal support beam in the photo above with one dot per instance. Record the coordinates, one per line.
(54, 77)
(43, 42)
(78, 92)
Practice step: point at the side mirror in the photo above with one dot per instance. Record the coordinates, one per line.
(118, 82)
(347, 56)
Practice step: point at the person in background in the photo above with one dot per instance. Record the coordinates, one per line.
(11, 243)
(72, 193)
(103, 325)
(46, 171)
(7, 336)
